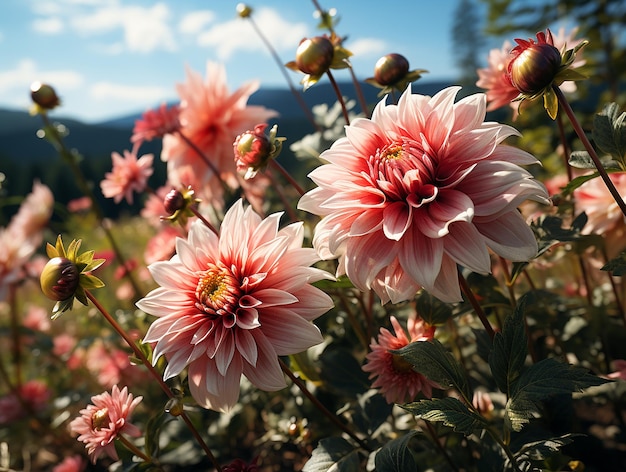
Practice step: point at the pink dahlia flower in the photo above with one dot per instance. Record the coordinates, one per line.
(211, 118)
(395, 377)
(156, 124)
(420, 187)
(104, 420)
(129, 175)
(231, 304)
(71, 464)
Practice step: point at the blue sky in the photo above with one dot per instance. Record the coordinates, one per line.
(108, 58)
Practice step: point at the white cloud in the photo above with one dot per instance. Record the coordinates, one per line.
(104, 91)
(146, 29)
(50, 25)
(26, 72)
(366, 47)
(196, 21)
(237, 35)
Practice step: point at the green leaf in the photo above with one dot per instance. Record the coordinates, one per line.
(341, 372)
(616, 266)
(334, 454)
(551, 103)
(581, 160)
(371, 411)
(396, 455)
(540, 381)
(436, 363)
(543, 449)
(577, 182)
(432, 310)
(509, 352)
(449, 411)
(609, 131)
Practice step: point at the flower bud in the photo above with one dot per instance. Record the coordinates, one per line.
(534, 67)
(252, 148)
(174, 201)
(243, 10)
(390, 69)
(59, 278)
(314, 55)
(44, 96)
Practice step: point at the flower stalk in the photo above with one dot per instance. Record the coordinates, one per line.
(142, 357)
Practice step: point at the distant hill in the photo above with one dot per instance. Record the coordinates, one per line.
(24, 156)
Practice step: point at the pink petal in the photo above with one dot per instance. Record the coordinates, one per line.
(396, 220)
(267, 374)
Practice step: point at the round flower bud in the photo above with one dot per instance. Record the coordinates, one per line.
(534, 67)
(174, 201)
(44, 96)
(314, 55)
(390, 69)
(252, 148)
(59, 279)
(243, 10)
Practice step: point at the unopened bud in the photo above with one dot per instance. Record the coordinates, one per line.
(243, 10)
(44, 96)
(534, 67)
(174, 201)
(314, 55)
(59, 279)
(390, 69)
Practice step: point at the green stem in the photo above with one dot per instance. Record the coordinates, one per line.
(504, 447)
(282, 69)
(276, 165)
(81, 181)
(141, 356)
(442, 450)
(589, 148)
(333, 82)
(134, 449)
(467, 291)
(325, 411)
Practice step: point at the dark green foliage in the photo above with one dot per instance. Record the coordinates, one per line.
(449, 411)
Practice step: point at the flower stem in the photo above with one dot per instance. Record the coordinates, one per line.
(201, 217)
(134, 449)
(58, 143)
(141, 356)
(504, 447)
(333, 82)
(442, 450)
(589, 148)
(292, 88)
(321, 407)
(467, 291)
(276, 165)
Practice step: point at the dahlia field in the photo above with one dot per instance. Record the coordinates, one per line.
(424, 283)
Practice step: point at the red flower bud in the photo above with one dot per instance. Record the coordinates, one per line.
(174, 201)
(390, 69)
(314, 55)
(59, 278)
(534, 65)
(44, 96)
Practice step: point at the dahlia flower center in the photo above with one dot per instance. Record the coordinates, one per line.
(100, 419)
(393, 152)
(400, 365)
(217, 291)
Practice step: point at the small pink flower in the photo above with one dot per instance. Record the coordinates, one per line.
(162, 245)
(129, 175)
(495, 80)
(239, 465)
(63, 345)
(231, 304)
(395, 377)
(156, 124)
(104, 420)
(37, 319)
(79, 204)
(32, 397)
(71, 464)
(421, 187)
(604, 215)
(211, 118)
(620, 372)
(34, 212)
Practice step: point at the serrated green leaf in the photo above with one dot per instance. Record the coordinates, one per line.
(435, 362)
(449, 411)
(609, 130)
(371, 412)
(432, 310)
(509, 352)
(334, 454)
(617, 265)
(396, 455)
(541, 380)
(543, 449)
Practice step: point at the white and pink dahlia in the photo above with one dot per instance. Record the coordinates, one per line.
(231, 304)
(421, 187)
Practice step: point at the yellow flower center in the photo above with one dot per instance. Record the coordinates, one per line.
(393, 153)
(99, 419)
(217, 291)
(210, 287)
